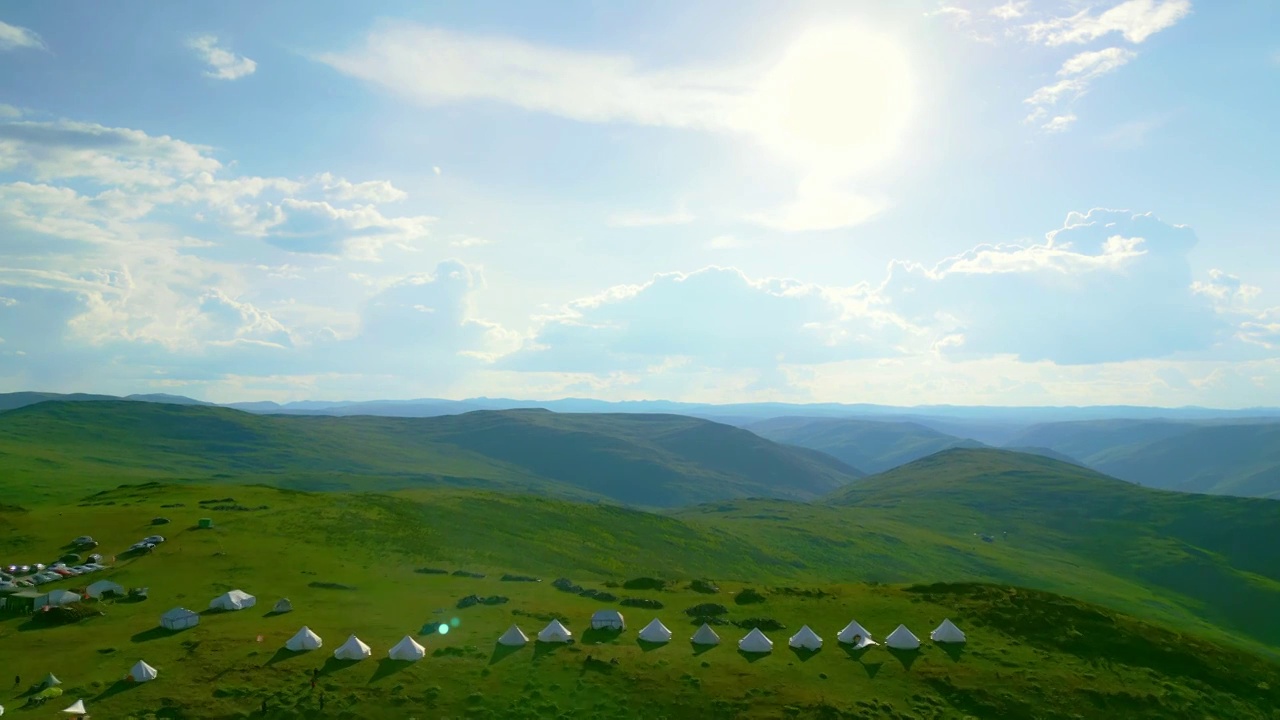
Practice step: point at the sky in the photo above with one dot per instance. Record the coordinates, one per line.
(969, 203)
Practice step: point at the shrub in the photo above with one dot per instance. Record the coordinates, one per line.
(645, 583)
(706, 610)
(704, 586)
(748, 597)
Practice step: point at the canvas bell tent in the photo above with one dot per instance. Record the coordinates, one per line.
(513, 637)
(902, 639)
(608, 620)
(233, 600)
(655, 632)
(855, 635)
(304, 639)
(77, 708)
(755, 642)
(56, 599)
(103, 587)
(179, 618)
(50, 680)
(282, 606)
(705, 636)
(142, 672)
(555, 632)
(352, 649)
(407, 649)
(947, 632)
(806, 639)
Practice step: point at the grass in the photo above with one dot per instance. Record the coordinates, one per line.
(60, 450)
(1030, 654)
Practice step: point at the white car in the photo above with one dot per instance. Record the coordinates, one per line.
(154, 539)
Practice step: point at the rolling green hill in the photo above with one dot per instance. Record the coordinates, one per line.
(872, 445)
(56, 448)
(347, 562)
(1212, 554)
(1226, 458)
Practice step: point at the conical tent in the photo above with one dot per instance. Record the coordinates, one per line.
(514, 637)
(947, 632)
(805, 639)
(608, 620)
(554, 632)
(902, 639)
(304, 639)
(179, 618)
(282, 606)
(51, 681)
(233, 600)
(655, 632)
(352, 649)
(142, 672)
(407, 649)
(854, 630)
(755, 642)
(77, 708)
(100, 588)
(705, 636)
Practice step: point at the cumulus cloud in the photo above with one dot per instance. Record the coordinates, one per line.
(223, 64)
(714, 317)
(1135, 20)
(1011, 10)
(1108, 286)
(13, 37)
(1074, 78)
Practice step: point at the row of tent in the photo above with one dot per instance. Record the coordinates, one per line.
(180, 618)
(354, 648)
(140, 672)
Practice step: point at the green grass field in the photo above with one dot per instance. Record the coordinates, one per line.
(1029, 654)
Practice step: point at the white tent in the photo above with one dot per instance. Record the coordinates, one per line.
(854, 630)
(608, 620)
(96, 590)
(233, 600)
(77, 708)
(902, 639)
(51, 680)
(352, 649)
(706, 636)
(947, 632)
(282, 606)
(179, 618)
(655, 632)
(407, 649)
(806, 639)
(142, 672)
(555, 632)
(56, 598)
(304, 639)
(514, 637)
(755, 642)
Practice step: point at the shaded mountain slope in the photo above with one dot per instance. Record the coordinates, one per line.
(872, 445)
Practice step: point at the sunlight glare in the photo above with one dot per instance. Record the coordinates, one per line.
(837, 103)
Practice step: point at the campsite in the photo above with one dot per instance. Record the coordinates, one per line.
(371, 585)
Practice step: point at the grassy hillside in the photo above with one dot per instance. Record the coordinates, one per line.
(1229, 458)
(347, 564)
(873, 446)
(1216, 555)
(59, 448)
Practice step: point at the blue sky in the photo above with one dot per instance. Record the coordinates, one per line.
(1008, 203)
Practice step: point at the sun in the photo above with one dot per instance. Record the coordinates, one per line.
(837, 103)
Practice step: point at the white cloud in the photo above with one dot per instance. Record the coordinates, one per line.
(470, 241)
(957, 15)
(223, 64)
(13, 37)
(1136, 20)
(1011, 10)
(642, 219)
(1076, 75)
(436, 169)
(819, 205)
(9, 111)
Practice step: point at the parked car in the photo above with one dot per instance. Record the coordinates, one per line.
(94, 558)
(154, 539)
(95, 566)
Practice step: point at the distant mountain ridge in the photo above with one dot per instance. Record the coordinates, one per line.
(872, 445)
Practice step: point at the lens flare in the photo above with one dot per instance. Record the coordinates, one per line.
(443, 629)
(455, 622)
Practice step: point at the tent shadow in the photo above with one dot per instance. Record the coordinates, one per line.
(388, 667)
(283, 654)
(591, 664)
(273, 613)
(906, 657)
(649, 646)
(855, 653)
(543, 649)
(804, 654)
(953, 650)
(154, 633)
(599, 636)
(116, 688)
(501, 652)
(753, 657)
(333, 665)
